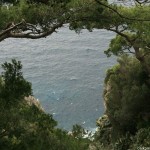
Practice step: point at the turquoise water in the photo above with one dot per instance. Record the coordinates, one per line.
(67, 72)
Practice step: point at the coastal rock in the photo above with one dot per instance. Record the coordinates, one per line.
(33, 101)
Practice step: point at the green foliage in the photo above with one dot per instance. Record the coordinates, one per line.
(117, 46)
(34, 13)
(85, 15)
(130, 142)
(142, 138)
(104, 137)
(127, 88)
(23, 124)
(90, 14)
(131, 25)
(126, 96)
(123, 143)
(14, 87)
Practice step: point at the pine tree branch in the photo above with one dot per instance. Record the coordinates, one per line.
(27, 30)
(118, 13)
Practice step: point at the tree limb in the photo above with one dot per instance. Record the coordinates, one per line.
(121, 34)
(32, 35)
(119, 14)
(27, 30)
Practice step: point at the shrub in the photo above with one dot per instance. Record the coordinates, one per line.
(15, 87)
(126, 95)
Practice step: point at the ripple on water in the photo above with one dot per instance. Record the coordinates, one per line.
(66, 71)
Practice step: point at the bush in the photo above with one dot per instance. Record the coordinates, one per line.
(15, 87)
(142, 138)
(126, 96)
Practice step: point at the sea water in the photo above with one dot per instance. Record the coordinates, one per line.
(67, 72)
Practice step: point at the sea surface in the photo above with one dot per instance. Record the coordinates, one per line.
(67, 71)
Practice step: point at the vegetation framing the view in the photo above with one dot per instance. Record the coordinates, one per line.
(126, 122)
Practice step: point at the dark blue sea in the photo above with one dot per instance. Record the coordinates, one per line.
(66, 71)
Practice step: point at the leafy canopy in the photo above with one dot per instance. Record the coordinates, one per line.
(32, 19)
